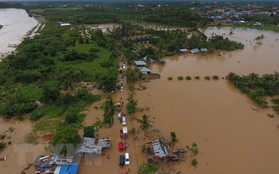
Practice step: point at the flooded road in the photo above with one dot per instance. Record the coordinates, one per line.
(231, 136)
(16, 23)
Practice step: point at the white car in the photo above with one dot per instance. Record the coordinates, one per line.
(124, 121)
(127, 159)
(121, 88)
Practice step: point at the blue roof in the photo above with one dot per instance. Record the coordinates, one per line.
(69, 169)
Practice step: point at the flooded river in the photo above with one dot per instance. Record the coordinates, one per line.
(231, 136)
(16, 23)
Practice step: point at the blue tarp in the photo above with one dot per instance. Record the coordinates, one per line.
(69, 169)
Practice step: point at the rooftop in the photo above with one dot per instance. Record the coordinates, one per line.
(140, 63)
(160, 148)
(67, 169)
(93, 145)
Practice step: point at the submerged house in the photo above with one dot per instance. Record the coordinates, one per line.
(161, 149)
(195, 51)
(145, 70)
(91, 147)
(140, 63)
(183, 50)
(142, 66)
(204, 50)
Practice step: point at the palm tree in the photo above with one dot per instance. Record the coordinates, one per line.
(145, 123)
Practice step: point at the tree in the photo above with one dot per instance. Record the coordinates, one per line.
(89, 131)
(132, 104)
(108, 83)
(66, 138)
(50, 92)
(145, 123)
(73, 117)
(109, 110)
(133, 75)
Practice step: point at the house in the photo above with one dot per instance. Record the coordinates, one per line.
(145, 70)
(67, 169)
(140, 63)
(91, 147)
(62, 24)
(183, 50)
(195, 51)
(161, 149)
(204, 50)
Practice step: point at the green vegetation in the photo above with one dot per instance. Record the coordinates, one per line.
(148, 168)
(131, 105)
(133, 75)
(145, 123)
(207, 77)
(194, 148)
(257, 87)
(194, 162)
(173, 137)
(169, 78)
(1, 26)
(109, 110)
(2, 146)
(275, 101)
(197, 77)
(215, 77)
(32, 80)
(89, 131)
(188, 78)
(180, 78)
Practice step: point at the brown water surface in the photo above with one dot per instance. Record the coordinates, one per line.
(231, 136)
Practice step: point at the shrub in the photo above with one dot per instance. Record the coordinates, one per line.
(197, 77)
(179, 78)
(2, 146)
(169, 78)
(148, 168)
(89, 131)
(207, 77)
(173, 137)
(188, 78)
(194, 162)
(133, 131)
(215, 77)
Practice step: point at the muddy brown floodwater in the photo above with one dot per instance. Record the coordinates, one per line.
(231, 137)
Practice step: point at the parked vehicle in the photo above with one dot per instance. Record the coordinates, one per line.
(127, 159)
(120, 146)
(119, 116)
(122, 160)
(121, 88)
(124, 121)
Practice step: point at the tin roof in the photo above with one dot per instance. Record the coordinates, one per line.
(160, 148)
(140, 63)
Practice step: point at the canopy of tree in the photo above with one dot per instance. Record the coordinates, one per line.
(258, 87)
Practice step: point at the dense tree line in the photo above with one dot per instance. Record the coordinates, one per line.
(257, 87)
